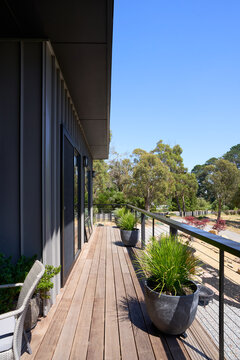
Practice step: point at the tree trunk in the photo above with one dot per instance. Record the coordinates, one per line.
(147, 205)
(219, 209)
(183, 202)
(178, 204)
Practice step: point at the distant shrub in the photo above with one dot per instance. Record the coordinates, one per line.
(190, 220)
(220, 225)
(202, 204)
(197, 222)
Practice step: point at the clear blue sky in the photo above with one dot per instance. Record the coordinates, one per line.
(176, 76)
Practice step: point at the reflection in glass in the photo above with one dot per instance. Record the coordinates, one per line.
(86, 197)
(76, 203)
(86, 206)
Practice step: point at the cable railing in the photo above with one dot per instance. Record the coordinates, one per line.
(221, 243)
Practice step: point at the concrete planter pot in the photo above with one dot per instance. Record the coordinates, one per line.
(171, 314)
(33, 313)
(130, 237)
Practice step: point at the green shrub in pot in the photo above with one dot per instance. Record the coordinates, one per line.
(127, 221)
(171, 295)
(46, 284)
(128, 230)
(118, 213)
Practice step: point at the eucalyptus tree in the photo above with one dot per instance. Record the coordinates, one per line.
(233, 155)
(185, 184)
(120, 170)
(224, 179)
(102, 180)
(151, 178)
(201, 172)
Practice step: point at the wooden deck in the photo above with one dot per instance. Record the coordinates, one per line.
(100, 313)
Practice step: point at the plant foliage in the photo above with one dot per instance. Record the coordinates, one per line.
(199, 223)
(127, 221)
(10, 274)
(168, 265)
(45, 283)
(220, 225)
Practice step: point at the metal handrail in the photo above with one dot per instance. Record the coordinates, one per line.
(220, 242)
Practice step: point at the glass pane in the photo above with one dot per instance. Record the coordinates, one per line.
(76, 203)
(86, 208)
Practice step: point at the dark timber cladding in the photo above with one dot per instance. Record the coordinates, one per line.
(81, 36)
(35, 107)
(55, 76)
(20, 142)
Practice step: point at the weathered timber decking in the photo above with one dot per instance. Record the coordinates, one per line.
(100, 313)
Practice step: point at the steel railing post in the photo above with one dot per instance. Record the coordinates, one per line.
(221, 305)
(173, 231)
(153, 232)
(143, 230)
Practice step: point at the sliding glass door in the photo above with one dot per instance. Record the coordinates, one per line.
(71, 232)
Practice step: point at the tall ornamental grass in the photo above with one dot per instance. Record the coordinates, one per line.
(127, 221)
(168, 265)
(118, 213)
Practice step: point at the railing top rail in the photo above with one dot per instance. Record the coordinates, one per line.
(220, 242)
(109, 204)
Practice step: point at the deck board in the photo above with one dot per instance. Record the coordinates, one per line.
(112, 346)
(101, 314)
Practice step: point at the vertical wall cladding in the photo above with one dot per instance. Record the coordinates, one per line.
(30, 144)
(50, 165)
(10, 149)
(57, 111)
(34, 105)
(20, 148)
(71, 123)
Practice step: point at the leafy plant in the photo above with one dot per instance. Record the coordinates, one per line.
(220, 225)
(118, 213)
(127, 221)
(45, 283)
(9, 274)
(168, 265)
(199, 223)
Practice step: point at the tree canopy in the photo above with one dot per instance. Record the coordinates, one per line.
(159, 177)
(223, 178)
(151, 178)
(233, 155)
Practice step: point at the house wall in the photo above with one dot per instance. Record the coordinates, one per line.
(58, 111)
(34, 105)
(20, 148)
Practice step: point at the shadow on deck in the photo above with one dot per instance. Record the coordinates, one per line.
(100, 313)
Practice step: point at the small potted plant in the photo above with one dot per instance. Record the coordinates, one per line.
(171, 295)
(128, 230)
(45, 285)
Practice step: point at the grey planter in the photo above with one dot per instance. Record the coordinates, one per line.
(205, 295)
(171, 314)
(130, 237)
(33, 312)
